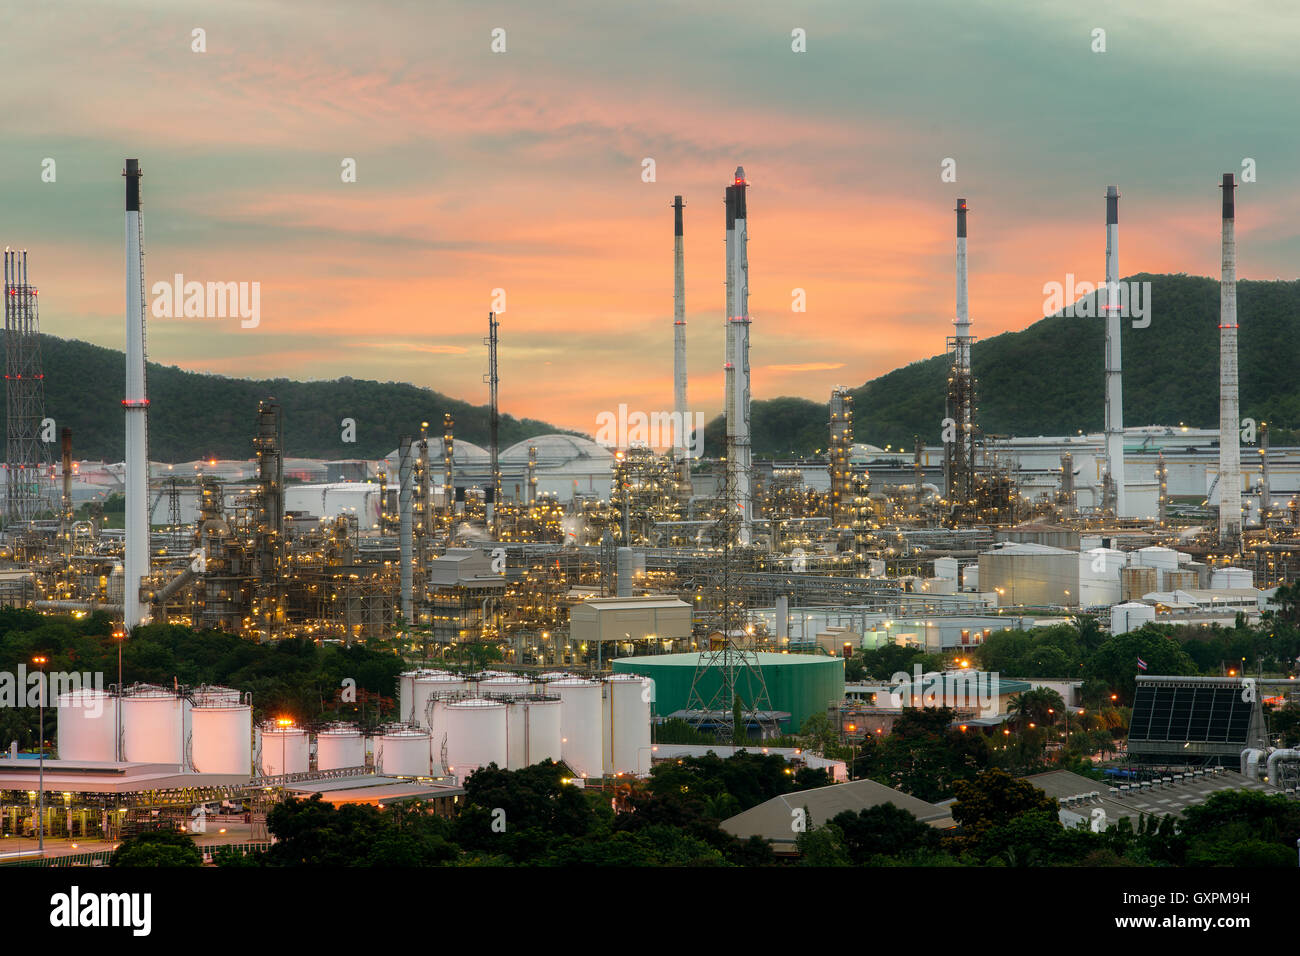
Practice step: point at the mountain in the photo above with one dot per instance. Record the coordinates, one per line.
(1049, 378)
(194, 415)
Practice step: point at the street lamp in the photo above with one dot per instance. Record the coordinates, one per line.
(40, 662)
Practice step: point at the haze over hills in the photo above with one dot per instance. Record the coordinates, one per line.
(196, 415)
(1048, 379)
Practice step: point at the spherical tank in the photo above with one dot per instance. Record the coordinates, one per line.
(221, 739)
(87, 722)
(153, 726)
(340, 746)
(403, 753)
(429, 686)
(476, 735)
(580, 724)
(625, 730)
(533, 731)
(284, 750)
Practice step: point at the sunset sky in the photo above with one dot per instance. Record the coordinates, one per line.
(523, 170)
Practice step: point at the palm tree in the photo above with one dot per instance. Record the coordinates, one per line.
(1035, 706)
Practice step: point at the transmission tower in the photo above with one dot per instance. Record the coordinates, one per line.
(728, 678)
(27, 457)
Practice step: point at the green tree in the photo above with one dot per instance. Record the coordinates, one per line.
(157, 848)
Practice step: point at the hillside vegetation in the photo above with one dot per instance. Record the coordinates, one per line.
(194, 415)
(1049, 378)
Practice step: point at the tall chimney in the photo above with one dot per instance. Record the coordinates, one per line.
(679, 333)
(729, 365)
(962, 322)
(1229, 411)
(740, 358)
(136, 404)
(1114, 375)
(406, 524)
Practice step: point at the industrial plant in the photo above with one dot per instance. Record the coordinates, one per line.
(618, 589)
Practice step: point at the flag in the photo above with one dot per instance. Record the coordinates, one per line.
(1142, 665)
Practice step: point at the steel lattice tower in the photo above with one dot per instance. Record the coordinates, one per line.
(741, 682)
(27, 458)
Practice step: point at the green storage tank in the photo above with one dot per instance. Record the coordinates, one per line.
(800, 684)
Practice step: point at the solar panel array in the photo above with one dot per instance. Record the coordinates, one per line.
(1203, 714)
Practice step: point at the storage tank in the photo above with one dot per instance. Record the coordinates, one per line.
(1166, 559)
(406, 690)
(430, 685)
(625, 725)
(580, 724)
(214, 695)
(154, 726)
(403, 752)
(513, 686)
(1129, 617)
(1136, 582)
(1181, 581)
(283, 750)
(221, 737)
(1223, 578)
(340, 746)
(87, 725)
(475, 735)
(532, 731)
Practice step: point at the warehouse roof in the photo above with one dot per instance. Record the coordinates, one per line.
(772, 820)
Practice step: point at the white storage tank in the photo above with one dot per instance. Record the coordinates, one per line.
(154, 726)
(283, 750)
(340, 746)
(221, 737)
(475, 735)
(1166, 559)
(87, 725)
(406, 690)
(213, 695)
(505, 686)
(403, 753)
(431, 685)
(580, 724)
(1224, 578)
(1131, 616)
(625, 725)
(533, 731)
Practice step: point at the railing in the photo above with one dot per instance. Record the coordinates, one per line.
(101, 857)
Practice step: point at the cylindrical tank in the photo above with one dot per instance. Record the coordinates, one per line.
(533, 731)
(406, 690)
(153, 726)
(1232, 578)
(580, 724)
(340, 746)
(430, 685)
(87, 725)
(283, 750)
(1136, 582)
(505, 686)
(403, 753)
(221, 738)
(625, 724)
(213, 695)
(475, 735)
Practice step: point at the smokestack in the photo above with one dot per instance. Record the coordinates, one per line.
(406, 523)
(448, 465)
(136, 404)
(65, 506)
(679, 330)
(729, 363)
(739, 320)
(1229, 411)
(1114, 374)
(962, 321)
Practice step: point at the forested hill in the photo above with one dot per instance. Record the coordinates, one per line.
(193, 415)
(1049, 378)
